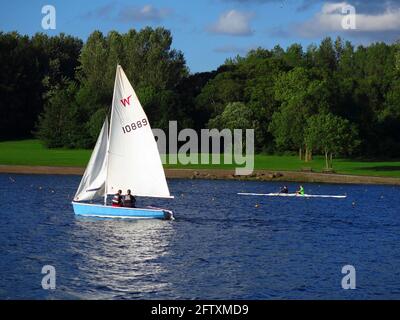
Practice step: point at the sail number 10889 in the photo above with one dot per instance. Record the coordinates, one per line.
(135, 125)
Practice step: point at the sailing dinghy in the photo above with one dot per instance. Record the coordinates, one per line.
(293, 195)
(125, 157)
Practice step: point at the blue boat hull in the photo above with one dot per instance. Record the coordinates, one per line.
(94, 210)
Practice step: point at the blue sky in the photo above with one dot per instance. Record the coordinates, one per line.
(209, 31)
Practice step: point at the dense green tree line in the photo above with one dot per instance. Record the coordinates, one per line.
(283, 89)
(29, 68)
(333, 99)
(81, 104)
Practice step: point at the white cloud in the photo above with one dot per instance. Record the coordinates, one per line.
(234, 23)
(145, 13)
(103, 12)
(388, 21)
(329, 19)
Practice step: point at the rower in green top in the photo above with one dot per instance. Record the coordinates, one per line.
(300, 191)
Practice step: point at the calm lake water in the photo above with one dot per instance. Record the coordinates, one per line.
(221, 245)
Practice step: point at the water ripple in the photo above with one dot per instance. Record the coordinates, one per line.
(221, 246)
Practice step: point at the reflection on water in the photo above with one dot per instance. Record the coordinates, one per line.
(121, 256)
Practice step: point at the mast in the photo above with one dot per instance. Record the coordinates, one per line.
(109, 137)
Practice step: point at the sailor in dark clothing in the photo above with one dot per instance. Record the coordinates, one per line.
(284, 189)
(129, 200)
(117, 200)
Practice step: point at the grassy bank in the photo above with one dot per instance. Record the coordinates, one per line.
(32, 152)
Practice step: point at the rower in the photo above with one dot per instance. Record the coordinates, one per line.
(284, 189)
(300, 191)
(117, 199)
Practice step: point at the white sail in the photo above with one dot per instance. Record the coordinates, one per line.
(93, 181)
(133, 159)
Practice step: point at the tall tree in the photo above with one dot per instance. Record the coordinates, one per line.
(301, 95)
(330, 135)
(153, 67)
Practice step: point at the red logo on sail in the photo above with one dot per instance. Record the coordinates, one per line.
(126, 101)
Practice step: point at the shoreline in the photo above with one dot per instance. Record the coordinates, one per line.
(223, 174)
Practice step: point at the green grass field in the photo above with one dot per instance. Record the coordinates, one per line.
(32, 152)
